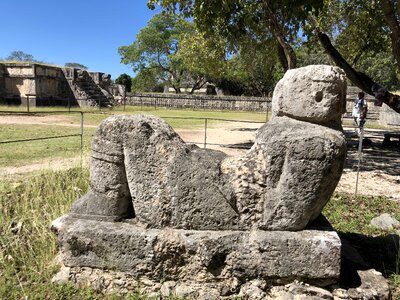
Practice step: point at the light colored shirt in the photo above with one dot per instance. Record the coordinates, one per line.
(359, 105)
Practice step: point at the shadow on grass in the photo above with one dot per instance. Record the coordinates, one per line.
(362, 252)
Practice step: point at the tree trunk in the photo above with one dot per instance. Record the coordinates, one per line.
(290, 61)
(282, 57)
(364, 82)
(391, 18)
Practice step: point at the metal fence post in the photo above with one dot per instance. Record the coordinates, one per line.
(81, 133)
(27, 102)
(359, 157)
(267, 117)
(205, 133)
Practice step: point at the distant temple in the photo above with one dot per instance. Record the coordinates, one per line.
(45, 85)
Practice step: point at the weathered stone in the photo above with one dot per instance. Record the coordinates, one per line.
(213, 225)
(297, 291)
(385, 221)
(315, 94)
(141, 160)
(373, 286)
(167, 288)
(201, 255)
(282, 183)
(252, 291)
(287, 177)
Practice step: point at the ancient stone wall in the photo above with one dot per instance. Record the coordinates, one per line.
(384, 115)
(44, 85)
(201, 102)
(373, 111)
(2, 82)
(388, 116)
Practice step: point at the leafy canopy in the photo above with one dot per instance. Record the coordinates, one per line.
(155, 47)
(125, 80)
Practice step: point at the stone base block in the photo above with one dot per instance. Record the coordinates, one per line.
(162, 255)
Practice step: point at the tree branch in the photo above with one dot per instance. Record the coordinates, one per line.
(364, 82)
(389, 14)
(276, 31)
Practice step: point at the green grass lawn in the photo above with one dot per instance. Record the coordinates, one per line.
(30, 203)
(20, 153)
(28, 247)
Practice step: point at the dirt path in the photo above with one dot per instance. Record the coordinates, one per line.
(58, 120)
(379, 169)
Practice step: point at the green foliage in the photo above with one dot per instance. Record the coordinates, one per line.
(235, 18)
(125, 80)
(27, 245)
(147, 80)
(170, 50)
(255, 69)
(201, 58)
(280, 20)
(381, 67)
(360, 30)
(348, 213)
(75, 65)
(311, 54)
(155, 47)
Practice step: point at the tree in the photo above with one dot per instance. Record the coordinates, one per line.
(125, 80)
(371, 23)
(201, 59)
(75, 65)
(365, 22)
(155, 47)
(253, 70)
(147, 80)
(278, 19)
(20, 56)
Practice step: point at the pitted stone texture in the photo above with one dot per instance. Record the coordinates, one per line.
(314, 94)
(288, 176)
(201, 256)
(385, 222)
(140, 167)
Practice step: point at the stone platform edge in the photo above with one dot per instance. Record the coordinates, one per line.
(203, 256)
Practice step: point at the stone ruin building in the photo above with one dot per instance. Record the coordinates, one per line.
(44, 85)
(176, 219)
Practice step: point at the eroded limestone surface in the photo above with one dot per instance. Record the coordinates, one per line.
(191, 214)
(141, 168)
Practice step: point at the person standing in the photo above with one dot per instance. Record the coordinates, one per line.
(360, 112)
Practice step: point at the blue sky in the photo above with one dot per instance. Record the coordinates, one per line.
(83, 31)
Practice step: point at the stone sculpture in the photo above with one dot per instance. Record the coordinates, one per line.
(196, 215)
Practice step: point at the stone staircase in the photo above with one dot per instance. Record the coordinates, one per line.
(85, 90)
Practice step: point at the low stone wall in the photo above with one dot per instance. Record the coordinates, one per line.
(388, 116)
(201, 102)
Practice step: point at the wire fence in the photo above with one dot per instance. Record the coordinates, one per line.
(205, 141)
(30, 103)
